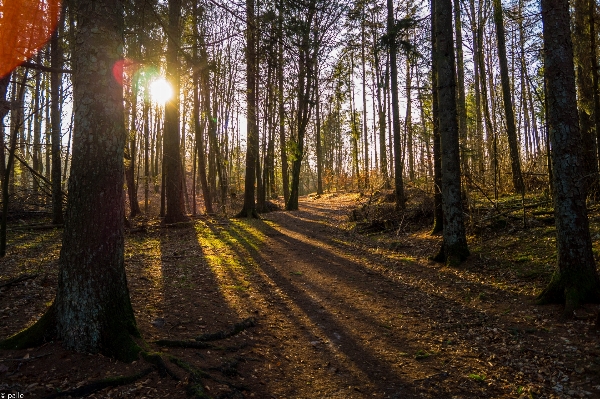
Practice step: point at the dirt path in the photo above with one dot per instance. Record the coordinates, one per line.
(338, 315)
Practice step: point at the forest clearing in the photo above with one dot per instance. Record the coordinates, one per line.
(337, 314)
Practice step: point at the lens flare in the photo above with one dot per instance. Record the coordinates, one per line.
(160, 91)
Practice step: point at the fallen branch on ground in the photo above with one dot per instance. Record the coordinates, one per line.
(18, 279)
(234, 330)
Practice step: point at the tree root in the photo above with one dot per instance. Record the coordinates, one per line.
(18, 279)
(157, 360)
(101, 384)
(196, 388)
(233, 330)
(182, 344)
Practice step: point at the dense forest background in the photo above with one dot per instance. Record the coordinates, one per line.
(323, 97)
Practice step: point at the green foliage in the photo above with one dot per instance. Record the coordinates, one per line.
(477, 377)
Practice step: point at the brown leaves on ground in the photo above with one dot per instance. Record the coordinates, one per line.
(338, 314)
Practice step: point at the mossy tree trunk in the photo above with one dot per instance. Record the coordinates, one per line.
(454, 248)
(92, 311)
(575, 280)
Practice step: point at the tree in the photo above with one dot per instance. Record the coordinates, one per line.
(511, 128)
(392, 30)
(249, 207)
(92, 310)
(438, 212)
(55, 80)
(454, 247)
(575, 280)
(583, 58)
(173, 170)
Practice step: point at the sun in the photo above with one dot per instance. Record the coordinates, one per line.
(160, 91)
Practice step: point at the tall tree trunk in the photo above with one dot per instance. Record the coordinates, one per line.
(511, 129)
(364, 101)
(281, 106)
(134, 206)
(454, 248)
(307, 58)
(584, 59)
(173, 173)
(200, 150)
(36, 157)
(92, 312)
(4, 109)
(399, 185)
(318, 138)
(16, 123)
(252, 141)
(383, 163)
(595, 84)
(408, 122)
(576, 280)
(438, 211)
(55, 119)
(460, 88)
(479, 147)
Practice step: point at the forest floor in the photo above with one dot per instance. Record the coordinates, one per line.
(338, 313)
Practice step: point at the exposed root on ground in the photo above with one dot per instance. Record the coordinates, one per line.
(233, 330)
(101, 384)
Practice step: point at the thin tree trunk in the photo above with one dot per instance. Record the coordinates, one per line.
(511, 128)
(460, 88)
(438, 211)
(15, 126)
(249, 207)
(364, 102)
(399, 186)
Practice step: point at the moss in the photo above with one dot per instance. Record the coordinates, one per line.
(122, 347)
(118, 340)
(570, 288)
(43, 330)
(456, 254)
(195, 388)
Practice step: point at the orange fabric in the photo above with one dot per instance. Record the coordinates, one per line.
(25, 26)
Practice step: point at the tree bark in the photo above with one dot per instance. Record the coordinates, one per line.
(575, 280)
(249, 207)
(438, 211)
(454, 248)
(399, 185)
(364, 101)
(92, 311)
(175, 207)
(460, 88)
(55, 119)
(583, 59)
